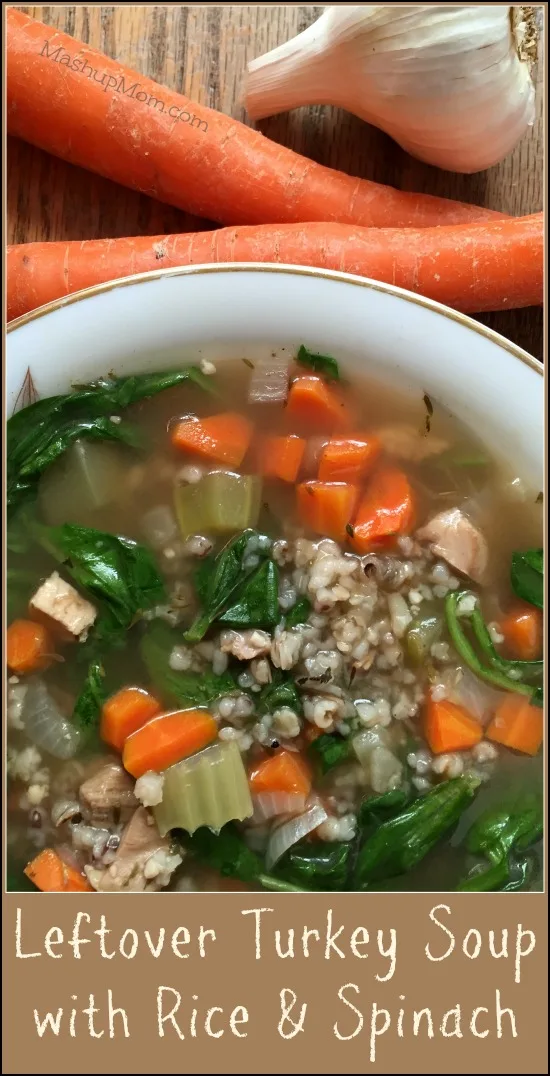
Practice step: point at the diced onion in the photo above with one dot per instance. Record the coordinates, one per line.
(477, 697)
(269, 380)
(288, 833)
(367, 741)
(46, 726)
(270, 804)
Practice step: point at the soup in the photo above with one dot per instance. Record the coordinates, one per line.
(269, 629)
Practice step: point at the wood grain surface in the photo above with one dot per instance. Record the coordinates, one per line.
(202, 51)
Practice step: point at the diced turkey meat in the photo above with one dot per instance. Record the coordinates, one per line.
(454, 538)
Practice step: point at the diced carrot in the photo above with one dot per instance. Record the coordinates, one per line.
(386, 509)
(327, 508)
(29, 647)
(313, 403)
(348, 459)
(167, 739)
(224, 438)
(126, 712)
(50, 874)
(281, 457)
(523, 630)
(449, 727)
(517, 724)
(285, 771)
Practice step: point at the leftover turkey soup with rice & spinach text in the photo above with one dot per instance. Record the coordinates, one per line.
(269, 629)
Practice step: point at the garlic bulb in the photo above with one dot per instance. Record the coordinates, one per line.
(451, 85)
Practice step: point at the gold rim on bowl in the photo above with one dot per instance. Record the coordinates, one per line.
(289, 270)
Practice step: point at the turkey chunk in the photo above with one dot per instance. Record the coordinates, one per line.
(454, 538)
(60, 602)
(143, 861)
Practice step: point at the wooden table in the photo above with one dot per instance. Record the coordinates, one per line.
(202, 50)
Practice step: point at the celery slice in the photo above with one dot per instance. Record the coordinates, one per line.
(206, 789)
(221, 503)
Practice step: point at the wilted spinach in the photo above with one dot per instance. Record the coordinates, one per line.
(527, 576)
(181, 688)
(324, 365)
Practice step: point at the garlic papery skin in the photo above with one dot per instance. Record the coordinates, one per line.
(452, 85)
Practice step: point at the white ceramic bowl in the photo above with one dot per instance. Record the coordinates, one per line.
(160, 319)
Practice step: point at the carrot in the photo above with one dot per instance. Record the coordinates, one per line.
(95, 112)
(280, 457)
(222, 437)
(286, 771)
(449, 727)
(522, 629)
(385, 510)
(29, 647)
(327, 508)
(313, 403)
(167, 739)
(126, 712)
(348, 459)
(493, 266)
(518, 725)
(49, 873)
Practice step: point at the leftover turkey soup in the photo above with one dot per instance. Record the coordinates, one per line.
(269, 628)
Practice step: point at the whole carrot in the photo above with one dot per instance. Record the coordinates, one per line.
(82, 106)
(494, 266)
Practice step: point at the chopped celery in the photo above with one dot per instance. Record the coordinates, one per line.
(206, 789)
(423, 632)
(89, 475)
(221, 503)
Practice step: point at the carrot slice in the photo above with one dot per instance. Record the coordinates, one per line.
(281, 457)
(50, 874)
(29, 647)
(224, 438)
(126, 712)
(327, 507)
(523, 629)
(167, 739)
(449, 727)
(518, 725)
(313, 403)
(348, 459)
(385, 510)
(286, 771)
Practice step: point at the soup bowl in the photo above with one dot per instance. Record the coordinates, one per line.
(212, 312)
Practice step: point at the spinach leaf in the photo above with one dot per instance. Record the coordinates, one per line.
(117, 572)
(17, 882)
(219, 581)
(377, 809)
(88, 705)
(324, 365)
(257, 603)
(37, 435)
(298, 613)
(523, 669)
(282, 691)
(181, 688)
(228, 854)
(497, 676)
(401, 842)
(316, 865)
(499, 835)
(527, 576)
(330, 750)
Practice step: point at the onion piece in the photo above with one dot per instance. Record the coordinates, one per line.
(289, 832)
(45, 724)
(269, 804)
(269, 380)
(367, 741)
(477, 697)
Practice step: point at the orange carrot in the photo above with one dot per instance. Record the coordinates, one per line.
(50, 874)
(327, 508)
(167, 739)
(222, 437)
(94, 112)
(518, 725)
(449, 727)
(476, 267)
(286, 771)
(313, 403)
(523, 630)
(280, 457)
(348, 459)
(29, 647)
(386, 509)
(126, 712)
